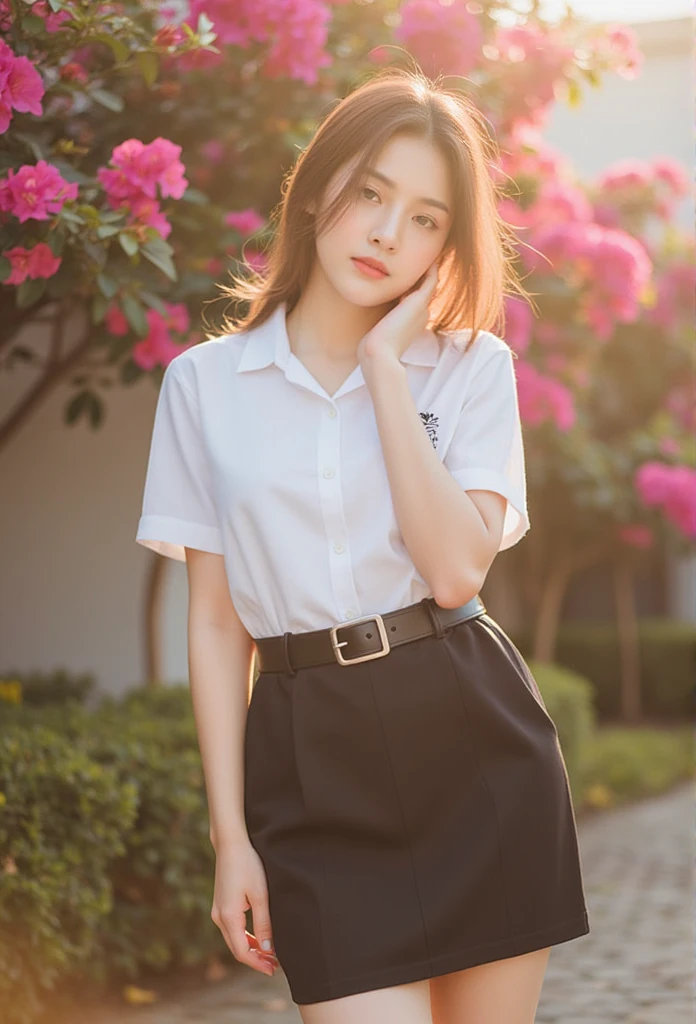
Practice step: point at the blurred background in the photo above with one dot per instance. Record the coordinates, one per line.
(142, 149)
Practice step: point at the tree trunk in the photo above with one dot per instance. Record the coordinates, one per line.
(629, 643)
(548, 615)
(154, 600)
(564, 564)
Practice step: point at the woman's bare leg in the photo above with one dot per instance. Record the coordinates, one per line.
(502, 992)
(399, 1004)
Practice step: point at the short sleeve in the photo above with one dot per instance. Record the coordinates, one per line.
(487, 450)
(178, 508)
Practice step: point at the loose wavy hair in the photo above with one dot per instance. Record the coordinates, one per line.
(477, 261)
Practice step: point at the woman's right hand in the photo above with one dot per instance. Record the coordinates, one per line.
(240, 884)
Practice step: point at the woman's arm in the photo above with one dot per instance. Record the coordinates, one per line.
(220, 670)
(220, 654)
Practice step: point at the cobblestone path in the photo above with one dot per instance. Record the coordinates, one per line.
(635, 966)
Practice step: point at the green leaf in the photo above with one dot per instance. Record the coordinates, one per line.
(130, 372)
(150, 299)
(108, 99)
(119, 49)
(71, 216)
(30, 291)
(158, 244)
(5, 268)
(135, 315)
(56, 240)
(574, 93)
(107, 285)
(161, 260)
(100, 304)
(107, 230)
(149, 66)
(193, 195)
(86, 403)
(33, 24)
(128, 243)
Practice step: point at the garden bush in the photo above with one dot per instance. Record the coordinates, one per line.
(667, 661)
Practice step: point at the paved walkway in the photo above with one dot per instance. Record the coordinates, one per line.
(634, 967)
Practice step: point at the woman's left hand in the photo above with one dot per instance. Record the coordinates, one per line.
(393, 334)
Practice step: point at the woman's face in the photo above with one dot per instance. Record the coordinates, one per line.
(401, 218)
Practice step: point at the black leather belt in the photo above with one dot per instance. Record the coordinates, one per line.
(356, 640)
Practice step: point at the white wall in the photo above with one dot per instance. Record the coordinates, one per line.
(71, 583)
(72, 576)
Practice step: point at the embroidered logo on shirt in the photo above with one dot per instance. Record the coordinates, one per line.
(431, 422)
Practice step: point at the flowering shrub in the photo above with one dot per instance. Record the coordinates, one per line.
(143, 147)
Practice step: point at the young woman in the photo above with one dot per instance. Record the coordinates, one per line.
(338, 471)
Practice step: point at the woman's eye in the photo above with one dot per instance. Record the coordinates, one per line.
(422, 216)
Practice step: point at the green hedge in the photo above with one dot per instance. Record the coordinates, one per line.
(108, 870)
(105, 821)
(569, 701)
(63, 820)
(667, 656)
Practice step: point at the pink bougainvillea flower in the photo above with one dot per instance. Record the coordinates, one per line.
(35, 191)
(542, 399)
(519, 323)
(73, 72)
(622, 43)
(444, 37)
(144, 166)
(610, 267)
(115, 321)
(158, 348)
(36, 262)
(673, 489)
(296, 32)
(529, 61)
(675, 296)
(147, 211)
(246, 222)
(137, 170)
(21, 86)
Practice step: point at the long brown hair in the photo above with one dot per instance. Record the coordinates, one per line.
(476, 262)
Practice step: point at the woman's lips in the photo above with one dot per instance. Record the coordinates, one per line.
(366, 269)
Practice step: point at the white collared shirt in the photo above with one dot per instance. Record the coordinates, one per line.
(252, 459)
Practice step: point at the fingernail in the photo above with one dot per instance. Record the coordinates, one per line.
(266, 944)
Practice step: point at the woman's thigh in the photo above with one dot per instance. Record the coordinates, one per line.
(502, 992)
(398, 1004)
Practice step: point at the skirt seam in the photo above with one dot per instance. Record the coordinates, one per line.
(488, 789)
(403, 821)
(550, 931)
(320, 903)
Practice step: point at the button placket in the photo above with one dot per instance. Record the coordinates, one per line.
(329, 479)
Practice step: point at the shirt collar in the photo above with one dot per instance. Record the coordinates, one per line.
(269, 343)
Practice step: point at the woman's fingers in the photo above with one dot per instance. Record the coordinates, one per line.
(241, 943)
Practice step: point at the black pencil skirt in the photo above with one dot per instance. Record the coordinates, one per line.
(412, 814)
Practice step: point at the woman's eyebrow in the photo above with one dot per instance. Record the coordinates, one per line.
(421, 199)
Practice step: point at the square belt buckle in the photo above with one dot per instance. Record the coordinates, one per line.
(335, 643)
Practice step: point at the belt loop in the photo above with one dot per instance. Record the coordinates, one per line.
(286, 652)
(439, 628)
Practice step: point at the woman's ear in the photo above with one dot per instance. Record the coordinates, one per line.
(311, 207)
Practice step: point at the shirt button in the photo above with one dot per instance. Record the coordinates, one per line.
(339, 548)
(349, 613)
(328, 473)
(332, 412)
